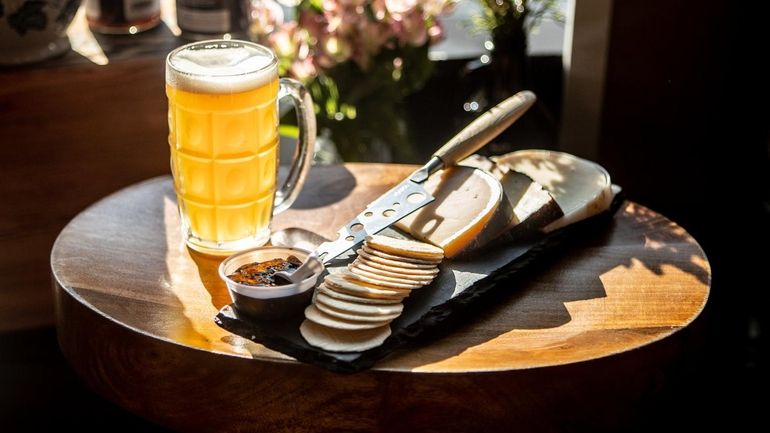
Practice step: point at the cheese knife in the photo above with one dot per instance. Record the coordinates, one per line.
(410, 195)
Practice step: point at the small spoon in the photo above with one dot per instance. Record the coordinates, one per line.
(299, 238)
(310, 266)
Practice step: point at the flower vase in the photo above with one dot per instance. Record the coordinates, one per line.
(509, 72)
(363, 111)
(509, 64)
(376, 134)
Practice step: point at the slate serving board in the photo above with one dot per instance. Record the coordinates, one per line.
(460, 284)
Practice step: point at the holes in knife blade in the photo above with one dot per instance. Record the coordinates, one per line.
(396, 205)
(357, 227)
(387, 213)
(368, 214)
(350, 238)
(322, 255)
(415, 198)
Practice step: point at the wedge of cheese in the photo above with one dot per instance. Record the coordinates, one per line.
(469, 210)
(532, 206)
(473, 209)
(581, 188)
(483, 163)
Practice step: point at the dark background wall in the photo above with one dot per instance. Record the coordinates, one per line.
(685, 131)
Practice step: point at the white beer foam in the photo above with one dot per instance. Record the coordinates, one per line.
(220, 67)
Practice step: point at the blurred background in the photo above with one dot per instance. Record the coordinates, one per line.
(670, 97)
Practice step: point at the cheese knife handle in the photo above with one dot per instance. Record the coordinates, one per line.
(486, 127)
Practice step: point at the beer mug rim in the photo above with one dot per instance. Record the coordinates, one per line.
(223, 43)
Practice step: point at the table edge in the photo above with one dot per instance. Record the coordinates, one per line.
(59, 286)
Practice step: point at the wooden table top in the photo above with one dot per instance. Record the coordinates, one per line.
(642, 280)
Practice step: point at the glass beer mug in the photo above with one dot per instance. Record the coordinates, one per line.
(223, 133)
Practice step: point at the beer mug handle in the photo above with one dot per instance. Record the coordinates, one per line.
(303, 155)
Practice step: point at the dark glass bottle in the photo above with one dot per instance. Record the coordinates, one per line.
(212, 19)
(122, 16)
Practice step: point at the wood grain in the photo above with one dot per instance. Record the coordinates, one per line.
(135, 309)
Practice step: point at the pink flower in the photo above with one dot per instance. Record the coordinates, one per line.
(400, 6)
(314, 23)
(379, 9)
(303, 69)
(266, 16)
(343, 30)
(438, 7)
(337, 48)
(410, 28)
(436, 32)
(373, 35)
(284, 40)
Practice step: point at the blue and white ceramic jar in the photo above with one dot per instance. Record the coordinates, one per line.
(34, 30)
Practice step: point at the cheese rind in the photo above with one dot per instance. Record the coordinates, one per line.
(533, 207)
(581, 188)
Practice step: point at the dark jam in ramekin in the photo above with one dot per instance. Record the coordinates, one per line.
(263, 273)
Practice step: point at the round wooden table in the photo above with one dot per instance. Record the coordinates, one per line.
(135, 313)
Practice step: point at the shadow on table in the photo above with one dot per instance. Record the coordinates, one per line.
(537, 298)
(324, 186)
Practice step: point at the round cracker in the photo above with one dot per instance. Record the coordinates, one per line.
(384, 261)
(417, 278)
(339, 284)
(353, 298)
(355, 317)
(381, 282)
(338, 340)
(368, 292)
(356, 308)
(397, 269)
(313, 314)
(404, 247)
(401, 259)
(355, 269)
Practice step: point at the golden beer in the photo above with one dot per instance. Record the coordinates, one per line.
(223, 136)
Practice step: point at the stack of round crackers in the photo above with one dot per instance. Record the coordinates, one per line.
(352, 309)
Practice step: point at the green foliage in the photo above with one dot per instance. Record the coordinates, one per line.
(506, 16)
(362, 109)
(393, 75)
